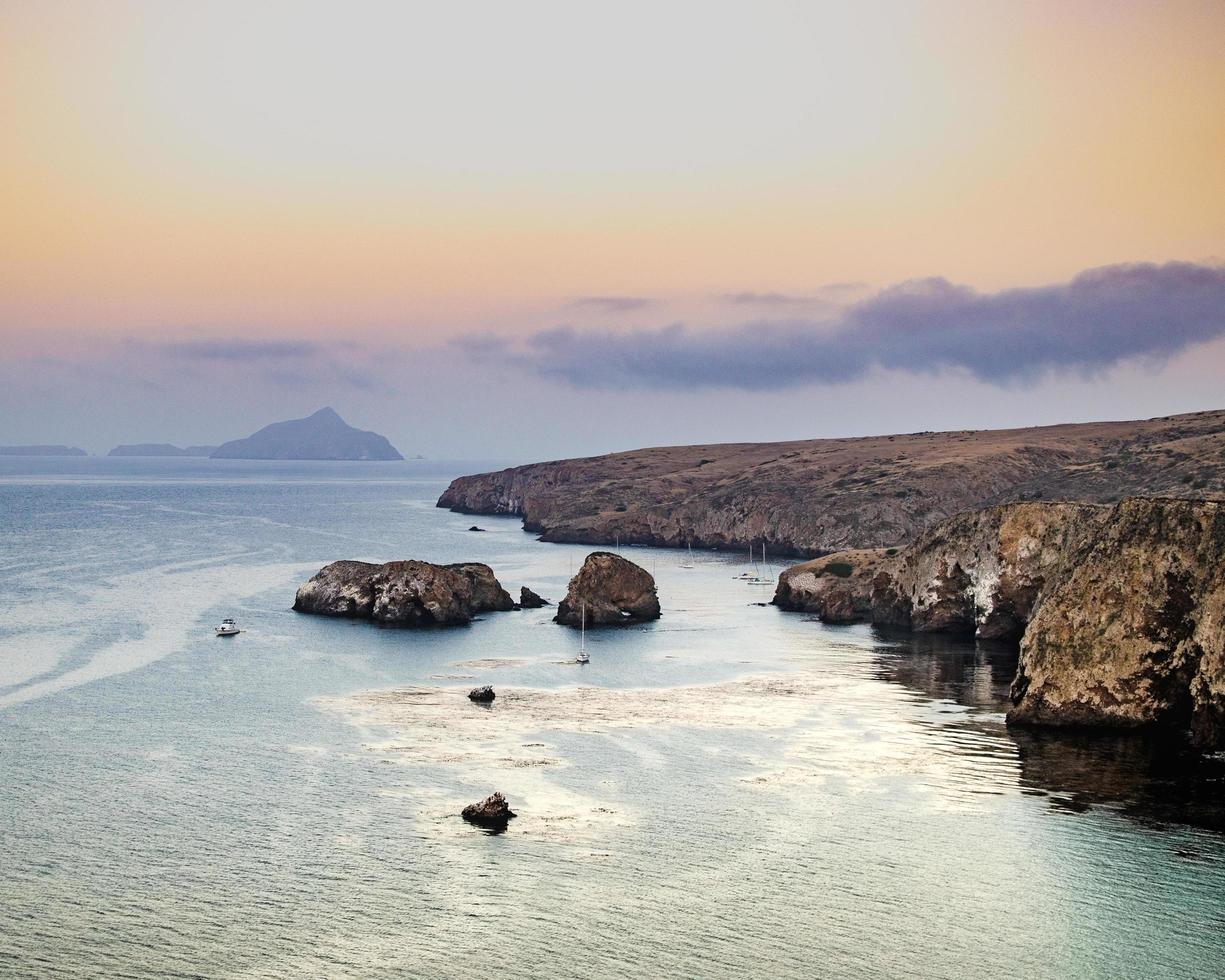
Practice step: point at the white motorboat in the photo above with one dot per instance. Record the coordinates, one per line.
(227, 628)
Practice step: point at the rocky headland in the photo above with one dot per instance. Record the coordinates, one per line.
(609, 591)
(1119, 610)
(403, 593)
(811, 497)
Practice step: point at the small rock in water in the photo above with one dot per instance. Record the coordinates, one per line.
(492, 813)
(475, 528)
(530, 600)
(483, 694)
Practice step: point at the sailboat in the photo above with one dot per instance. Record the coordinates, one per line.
(749, 573)
(760, 574)
(582, 657)
(689, 562)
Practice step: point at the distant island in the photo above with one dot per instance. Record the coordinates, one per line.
(324, 435)
(42, 451)
(161, 449)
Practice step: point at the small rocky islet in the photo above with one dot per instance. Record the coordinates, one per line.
(613, 591)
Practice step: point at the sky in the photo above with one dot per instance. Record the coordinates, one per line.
(532, 230)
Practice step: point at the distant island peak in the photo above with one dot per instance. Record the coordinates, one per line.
(323, 435)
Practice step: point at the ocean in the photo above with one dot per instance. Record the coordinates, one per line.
(730, 791)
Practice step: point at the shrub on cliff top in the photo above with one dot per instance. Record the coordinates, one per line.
(840, 569)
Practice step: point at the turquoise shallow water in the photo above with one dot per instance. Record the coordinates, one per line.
(731, 791)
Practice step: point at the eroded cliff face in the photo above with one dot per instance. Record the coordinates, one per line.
(979, 573)
(982, 573)
(811, 497)
(1120, 611)
(403, 593)
(1133, 633)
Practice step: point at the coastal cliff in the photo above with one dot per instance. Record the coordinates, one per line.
(808, 498)
(1133, 633)
(1120, 611)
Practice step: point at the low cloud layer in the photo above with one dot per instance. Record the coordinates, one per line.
(240, 350)
(613, 304)
(1099, 319)
(286, 363)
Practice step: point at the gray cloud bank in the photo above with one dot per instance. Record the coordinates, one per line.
(1100, 318)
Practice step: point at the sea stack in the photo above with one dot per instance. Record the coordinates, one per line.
(611, 590)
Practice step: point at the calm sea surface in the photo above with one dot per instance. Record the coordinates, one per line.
(731, 791)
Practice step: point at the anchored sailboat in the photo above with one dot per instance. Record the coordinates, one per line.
(582, 657)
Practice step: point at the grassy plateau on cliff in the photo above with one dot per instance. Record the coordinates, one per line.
(814, 496)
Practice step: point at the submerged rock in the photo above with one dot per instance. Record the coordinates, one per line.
(481, 694)
(492, 813)
(530, 600)
(403, 593)
(613, 591)
(475, 528)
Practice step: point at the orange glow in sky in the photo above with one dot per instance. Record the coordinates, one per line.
(426, 169)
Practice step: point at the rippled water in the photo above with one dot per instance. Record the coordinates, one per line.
(730, 791)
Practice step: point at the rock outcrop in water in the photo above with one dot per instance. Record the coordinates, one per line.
(482, 695)
(403, 593)
(1120, 610)
(812, 497)
(324, 435)
(612, 590)
(838, 587)
(492, 813)
(530, 600)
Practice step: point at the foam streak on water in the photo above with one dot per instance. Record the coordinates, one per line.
(732, 791)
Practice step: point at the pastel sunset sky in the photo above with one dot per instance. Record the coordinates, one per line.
(537, 229)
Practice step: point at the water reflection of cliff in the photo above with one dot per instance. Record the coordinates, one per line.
(1150, 779)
